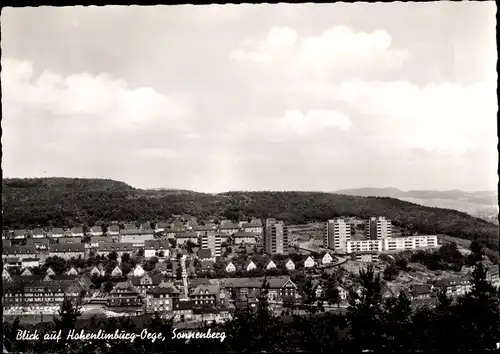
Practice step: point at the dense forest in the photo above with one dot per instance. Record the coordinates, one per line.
(370, 324)
(64, 202)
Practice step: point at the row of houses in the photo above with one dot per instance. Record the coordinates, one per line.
(288, 264)
(226, 227)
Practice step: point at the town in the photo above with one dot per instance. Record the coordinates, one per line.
(192, 270)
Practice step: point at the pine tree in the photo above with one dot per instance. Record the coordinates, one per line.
(398, 323)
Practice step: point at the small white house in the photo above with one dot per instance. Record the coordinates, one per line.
(342, 293)
(250, 265)
(26, 272)
(270, 265)
(138, 271)
(95, 272)
(72, 271)
(117, 272)
(290, 265)
(327, 259)
(230, 268)
(5, 275)
(309, 262)
(50, 272)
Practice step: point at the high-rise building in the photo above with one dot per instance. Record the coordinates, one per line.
(378, 228)
(275, 237)
(337, 234)
(212, 241)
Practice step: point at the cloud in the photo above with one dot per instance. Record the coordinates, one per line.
(159, 153)
(103, 102)
(443, 118)
(339, 47)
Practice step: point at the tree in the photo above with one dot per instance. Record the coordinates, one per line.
(365, 312)
(140, 252)
(108, 286)
(113, 256)
(332, 293)
(402, 263)
(161, 254)
(126, 257)
(391, 272)
(398, 324)
(66, 319)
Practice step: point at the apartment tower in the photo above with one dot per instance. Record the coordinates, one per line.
(378, 228)
(275, 237)
(337, 234)
(212, 241)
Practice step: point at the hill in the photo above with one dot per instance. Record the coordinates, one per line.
(483, 204)
(66, 202)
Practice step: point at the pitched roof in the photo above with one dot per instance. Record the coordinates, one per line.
(114, 228)
(229, 226)
(205, 253)
(185, 235)
(118, 247)
(77, 230)
(69, 247)
(57, 230)
(243, 234)
(39, 231)
(274, 282)
(19, 250)
(96, 229)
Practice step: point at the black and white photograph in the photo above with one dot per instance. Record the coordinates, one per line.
(250, 178)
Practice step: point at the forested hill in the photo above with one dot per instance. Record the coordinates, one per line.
(66, 202)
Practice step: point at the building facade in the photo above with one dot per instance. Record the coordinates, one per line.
(210, 240)
(337, 234)
(378, 228)
(276, 237)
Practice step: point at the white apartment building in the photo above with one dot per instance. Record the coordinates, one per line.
(392, 244)
(364, 246)
(276, 239)
(212, 241)
(410, 243)
(378, 228)
(337, 234)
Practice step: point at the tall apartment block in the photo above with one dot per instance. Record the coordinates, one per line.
(337, 234)
(212, 241)
(379, 228)
(275, 237)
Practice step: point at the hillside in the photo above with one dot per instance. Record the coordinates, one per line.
(65, 202)
(483, 204)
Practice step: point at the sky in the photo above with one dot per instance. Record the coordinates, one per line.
(315, 97)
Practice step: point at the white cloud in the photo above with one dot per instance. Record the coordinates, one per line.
(104, 102)
(445, 118)
(159, 153)
(339, 47)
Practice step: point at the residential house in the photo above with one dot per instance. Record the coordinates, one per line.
(270, 265)
(343, 294)
(204, 295)
(454, 286)
(96, 241)
(249, 265)
(69, 240)
(38, 294)
(113, 230)
(243, 237)
(26, 273)
(69, 251)
(21, 252)
(207, 265)
(366, 257)
(201, 229)
(230, 268)
(130, 226)
(72, 271)
(96, 231)
(229, 228)
(38, 243)
(20, 234)
(156, 248)
(117, 272)
(317, 288)
(39, 233)
(421, 291)
(147, 227)
(138, 271)
(77, 231)
(30, 262)
(6, 243)
(327, 259)
(120, 248)
(289, 264)
(161, 226)
(206, 255)
(309, 262)
(7, 235)
(255, 227)
(136, 236)
(182, 309)
(49, 272)
(161, 298)
(56, 232)
(5, 275)
(279, 287)
(124, 294)
(183, 237)
(99, 272)
(146, 282)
